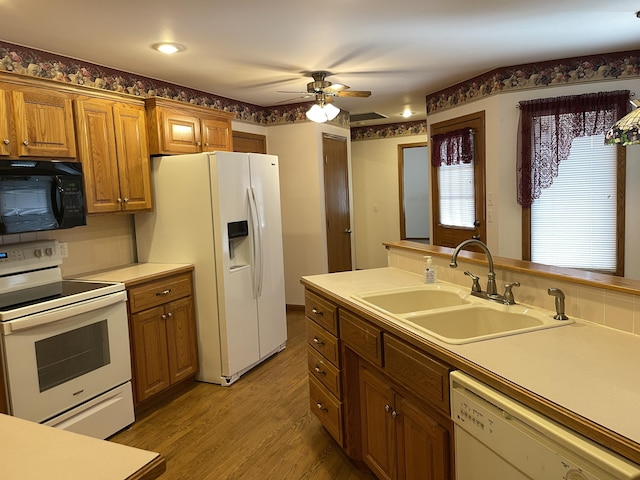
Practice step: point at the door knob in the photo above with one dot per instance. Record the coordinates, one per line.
(348, 231)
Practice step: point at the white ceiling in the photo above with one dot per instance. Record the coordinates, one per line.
(249, 50)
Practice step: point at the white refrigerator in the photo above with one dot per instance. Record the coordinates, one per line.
(221, 212)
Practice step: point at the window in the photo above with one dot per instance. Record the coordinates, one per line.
(571, 185)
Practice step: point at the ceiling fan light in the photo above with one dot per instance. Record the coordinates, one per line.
(317, 114)
(331, 111)
(321, 114)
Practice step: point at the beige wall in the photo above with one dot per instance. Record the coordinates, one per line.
(299, 149)
(376, 197)
(504, 234)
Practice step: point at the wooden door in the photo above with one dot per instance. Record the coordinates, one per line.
(133, 157)
(216, 135)
(5, 130)
(150, 352)
(376, 404)
(423, 451)
(451, 235)
(249, 142)
(337, 203)
(180, 132)
(181, 339)
(44, 123)
(97, 149)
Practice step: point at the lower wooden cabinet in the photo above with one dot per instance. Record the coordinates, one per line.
(163, 335)
(401, 440)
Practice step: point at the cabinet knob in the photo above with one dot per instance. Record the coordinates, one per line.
(25, 143)
(119, 200)
(318, 371)
(321, 407)
(169, 315)
(163, 293)
(163, 316)
(317, 341)
(315, 311)
(6, 141)
(387, 408)
(126, 199)
(394, 414)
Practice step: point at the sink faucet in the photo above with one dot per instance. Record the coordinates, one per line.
(492, 290)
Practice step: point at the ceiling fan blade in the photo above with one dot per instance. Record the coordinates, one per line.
(353, 93)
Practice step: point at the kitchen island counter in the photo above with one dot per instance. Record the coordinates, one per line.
(32, 451)
(583, 375)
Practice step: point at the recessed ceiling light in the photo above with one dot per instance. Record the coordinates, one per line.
(168, 47)
(407, 113)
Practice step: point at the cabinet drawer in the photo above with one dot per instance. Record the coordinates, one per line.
(159, 291)
(324, 372)
(323, 342)
(321, 311)
(418, 372)
(327, 409)
(361, 336)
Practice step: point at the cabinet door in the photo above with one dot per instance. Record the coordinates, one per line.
(216, 135)
(133, 157)
(150, 352)
(180, 132)
(97, 149)
(5, 130)
(181, 339)
(378, 416)
(44, 123)
(422, 444)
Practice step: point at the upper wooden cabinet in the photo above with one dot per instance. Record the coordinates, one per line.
(176, 127)
(36, 122)
(113, 148)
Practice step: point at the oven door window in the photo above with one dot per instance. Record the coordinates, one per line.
(68, 355)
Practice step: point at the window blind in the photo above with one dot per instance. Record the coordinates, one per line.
(457, 195)
(573, 222)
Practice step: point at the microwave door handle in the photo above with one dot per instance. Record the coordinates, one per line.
(57, 200)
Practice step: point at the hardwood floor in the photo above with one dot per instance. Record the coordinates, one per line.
(259, 428)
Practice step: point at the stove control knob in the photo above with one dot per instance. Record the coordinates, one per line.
(48, 251)
(37, 252)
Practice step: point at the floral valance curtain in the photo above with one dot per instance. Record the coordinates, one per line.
(452, 148)
(547, 128)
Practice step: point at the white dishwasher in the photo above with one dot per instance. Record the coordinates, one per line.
(499, 438)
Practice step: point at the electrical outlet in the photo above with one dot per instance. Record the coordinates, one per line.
(64, 252)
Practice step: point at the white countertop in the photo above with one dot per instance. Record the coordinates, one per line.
(135, 272)
(583, 367)
(31, 451)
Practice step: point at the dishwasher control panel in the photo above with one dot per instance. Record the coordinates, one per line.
(521, 439)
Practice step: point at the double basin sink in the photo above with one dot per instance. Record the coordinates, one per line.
(454, 316)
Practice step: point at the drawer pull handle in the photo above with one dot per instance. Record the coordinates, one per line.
(321, 407)
(163, 293)
(317, 341)
(317, 312)
(321, 372)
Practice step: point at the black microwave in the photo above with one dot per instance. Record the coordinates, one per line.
(40, 195)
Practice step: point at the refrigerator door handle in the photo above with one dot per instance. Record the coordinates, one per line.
(257, 243)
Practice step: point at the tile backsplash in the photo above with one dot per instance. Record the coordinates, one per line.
(612, 309)
(105, 242)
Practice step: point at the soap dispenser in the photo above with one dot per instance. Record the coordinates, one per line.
(429, 271)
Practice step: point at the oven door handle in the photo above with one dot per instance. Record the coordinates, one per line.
(62, 313)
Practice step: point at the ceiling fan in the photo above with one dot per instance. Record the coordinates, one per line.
(322, 88)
